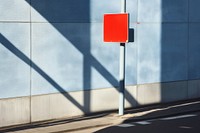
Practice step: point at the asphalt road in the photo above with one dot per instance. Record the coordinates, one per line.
(184, 123)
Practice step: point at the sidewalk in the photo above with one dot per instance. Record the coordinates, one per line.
(89, 124)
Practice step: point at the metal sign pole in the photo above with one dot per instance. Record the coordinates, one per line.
(122, 68)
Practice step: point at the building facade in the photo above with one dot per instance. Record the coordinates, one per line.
(54, 63)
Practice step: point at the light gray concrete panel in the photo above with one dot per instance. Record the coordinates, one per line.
(174, 52)
(58, 55)
(54, 106)
(72, 56)
(15, 60)
(14, 10)
(175, 10)
(163, 11)
(131, 96)
(162, 55)
(149, 94)
(194, 48)
(131, 64)
(194, 10)
(149, 11)
(14, 111)
(104, 59)
(169, 91)
(85, 11)
(60, 11)
(149, 53)
(193, 89)
(98, 8)
(162, 92)
(108, 99)
(132, 9)
(131, 58)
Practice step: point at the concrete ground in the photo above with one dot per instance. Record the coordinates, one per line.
(111, 122)
(182, 123)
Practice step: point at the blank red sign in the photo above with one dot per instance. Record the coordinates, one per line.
(116, 27)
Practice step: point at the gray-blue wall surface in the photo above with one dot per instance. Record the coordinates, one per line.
(50, 47)
(62, 40)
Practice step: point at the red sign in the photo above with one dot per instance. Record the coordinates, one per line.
(116, 27)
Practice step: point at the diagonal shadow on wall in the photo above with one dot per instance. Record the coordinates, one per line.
(71, 11)
(6, 43)
(68, 11)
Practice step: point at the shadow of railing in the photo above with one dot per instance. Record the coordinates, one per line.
(82, 15)
(6, 43)
(71, 12)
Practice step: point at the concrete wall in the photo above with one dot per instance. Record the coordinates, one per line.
(52, 54)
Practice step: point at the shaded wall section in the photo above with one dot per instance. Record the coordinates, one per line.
(167, 50)
(163, 39)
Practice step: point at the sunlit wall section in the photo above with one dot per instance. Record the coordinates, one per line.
(162, 50)
(163, 40)
(14, 46)
(14, 62)
(108, 53)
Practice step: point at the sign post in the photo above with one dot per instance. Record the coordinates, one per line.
(122, 68)
(116, 29)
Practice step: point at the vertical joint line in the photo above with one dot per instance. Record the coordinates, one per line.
(137, 20)
(188, 40)
(30, 63)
